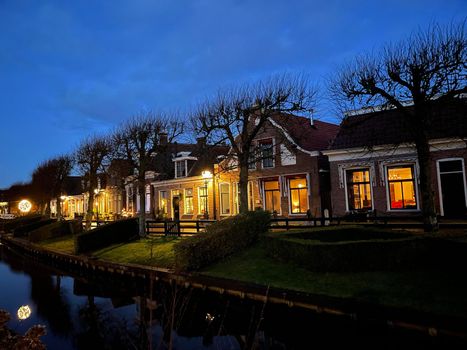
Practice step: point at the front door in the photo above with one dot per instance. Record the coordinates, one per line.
(176, 207)
(452, 178)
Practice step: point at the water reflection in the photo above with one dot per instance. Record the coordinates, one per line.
(98, 311)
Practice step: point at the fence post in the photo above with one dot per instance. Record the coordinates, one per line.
(197, 226)
(286, 224)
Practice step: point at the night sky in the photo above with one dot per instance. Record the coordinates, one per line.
(72, 68)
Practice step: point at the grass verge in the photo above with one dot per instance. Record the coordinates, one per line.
(438, 292)
(65, 244)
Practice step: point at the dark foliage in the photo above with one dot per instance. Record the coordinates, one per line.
(55, 229)
(104, 236)
(222, 239)
(24, 229)
(10, 225)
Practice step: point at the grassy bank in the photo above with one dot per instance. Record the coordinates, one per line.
(440, 292)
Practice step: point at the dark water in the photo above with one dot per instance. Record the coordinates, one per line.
(105, 312)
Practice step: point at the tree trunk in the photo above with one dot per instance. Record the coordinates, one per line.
(142, 207)
(90, 211)
(243, 186)
(430, 220)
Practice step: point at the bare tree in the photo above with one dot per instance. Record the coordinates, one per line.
(428, 67)
(237, 115)
(43, 186)
(92, 157)
(138, 141)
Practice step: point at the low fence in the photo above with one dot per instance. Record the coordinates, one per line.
(177, 227)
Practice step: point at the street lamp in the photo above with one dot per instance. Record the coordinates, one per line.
(206, 175)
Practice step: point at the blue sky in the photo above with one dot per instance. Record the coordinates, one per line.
(73, 68)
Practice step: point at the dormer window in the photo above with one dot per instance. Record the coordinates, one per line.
(180, 168)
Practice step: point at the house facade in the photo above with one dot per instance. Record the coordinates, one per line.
(288, 175)
(374, 164)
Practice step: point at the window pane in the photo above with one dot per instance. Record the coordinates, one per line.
(297, 183)
(409, 195)
(359, 189)
(395, 190)
(188, 205)
(451, 165)
(400, 173)
(271, 185)
(163, 201)
(225, 198)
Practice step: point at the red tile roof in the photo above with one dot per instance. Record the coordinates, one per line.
(389, 128)
(310, 137)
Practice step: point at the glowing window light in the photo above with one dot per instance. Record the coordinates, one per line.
(24, 206)
(24, 312)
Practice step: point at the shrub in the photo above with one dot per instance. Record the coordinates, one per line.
(221, 239)
(104, 236)
(55, 229)
(23, 220)
(24, 229)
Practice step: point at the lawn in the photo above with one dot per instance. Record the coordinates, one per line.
(65, 244)
(439, 292)
(139, 252)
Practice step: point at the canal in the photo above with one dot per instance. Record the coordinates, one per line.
(89, 311)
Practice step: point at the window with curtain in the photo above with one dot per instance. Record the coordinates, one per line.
(188, 201)
(163, 201)
(202, 200)
(401, 185)
(298, 193)
(359, 189)
(272, 196)
(224, 198)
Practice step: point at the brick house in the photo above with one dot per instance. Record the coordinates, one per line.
(374, 165)
(289, 176)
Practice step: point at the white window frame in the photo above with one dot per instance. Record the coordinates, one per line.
(438, 175)
(289, 195)
(229, 199)
(185, 201)
(415, 181)
(148, 199)
(199, 199)
(264, 195)
(167, 202)
(177, 176)
(347, 207)
(258, 144)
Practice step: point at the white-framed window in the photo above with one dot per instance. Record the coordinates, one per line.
(163, 201)
(266, 151)
(358, 189)
(202, 200)
(188, 201)
(180, 168)
(298, 195)
(272, 196)
(236, 197)
(148, 198)
(224, 198)
(452, 187)
(401, 187)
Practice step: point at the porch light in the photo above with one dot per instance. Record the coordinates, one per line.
(206, 174)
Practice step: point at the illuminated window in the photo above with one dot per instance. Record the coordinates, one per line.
(298, 196)
(163, 201)
(272, 196)
(359, 189)
(188, 201)
(401, 186)
(224, 190)
(267, 153)
(202, 200)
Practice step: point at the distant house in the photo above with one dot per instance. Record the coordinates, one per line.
(374, 165)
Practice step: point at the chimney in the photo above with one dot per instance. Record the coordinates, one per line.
(312, 122)
(163, 139)
(201, 142)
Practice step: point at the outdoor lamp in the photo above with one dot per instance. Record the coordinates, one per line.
(206, 175)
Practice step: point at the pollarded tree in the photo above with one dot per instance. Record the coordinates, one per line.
(92, 157)
(138, 141)
(236, 116)
(426, 69)
(43, 186)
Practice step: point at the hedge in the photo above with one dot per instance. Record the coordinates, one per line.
(106, 235)
(221, 239)
(370, 255)
(24, 229)
(10, 225)
(55, 229)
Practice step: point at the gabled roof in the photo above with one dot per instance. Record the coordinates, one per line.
(311, 137)
(389, 128)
